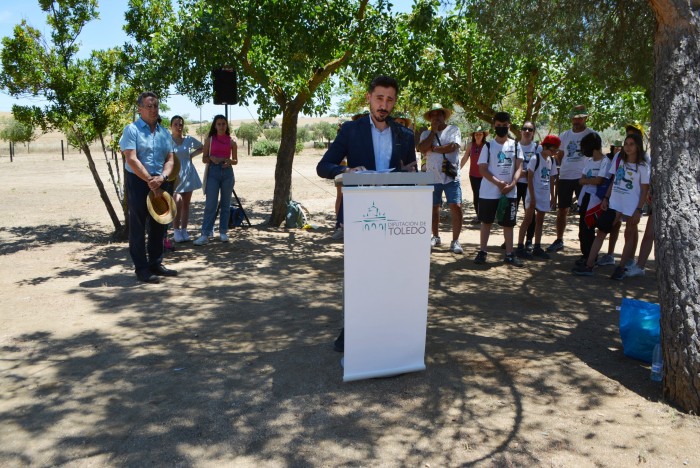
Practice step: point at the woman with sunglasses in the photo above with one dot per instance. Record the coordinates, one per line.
(220, 153)
(186, 148)
(471, 154)
(530, 148)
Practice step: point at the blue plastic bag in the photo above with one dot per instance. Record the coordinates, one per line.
(640, 328)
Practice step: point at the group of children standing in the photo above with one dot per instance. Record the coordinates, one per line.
(611, 190)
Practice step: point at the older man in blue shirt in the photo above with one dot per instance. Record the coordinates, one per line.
(148, 149)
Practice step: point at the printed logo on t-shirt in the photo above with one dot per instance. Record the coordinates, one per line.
(621, 176)
(504, 160)
(572, 150)
(528, 155)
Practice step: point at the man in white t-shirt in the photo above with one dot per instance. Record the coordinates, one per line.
(442, 143)
(500, 164)
(572, 162)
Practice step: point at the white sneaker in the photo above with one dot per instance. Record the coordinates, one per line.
(435, 241)
(223, 237)
(338, 234)
(177, 236)
(201, 240)
(185, 235)
(606, 259)
(634, 270)
(455, 247)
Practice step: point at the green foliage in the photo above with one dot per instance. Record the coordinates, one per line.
(265, 148)
(273, 134)
(248, 132)
(299, 147)
(304, 134)
(324, 130)
(16, 132)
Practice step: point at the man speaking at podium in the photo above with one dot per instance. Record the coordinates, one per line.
(373, 142)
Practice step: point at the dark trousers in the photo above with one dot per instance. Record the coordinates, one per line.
(475, 183)
(586, 235)
(140, 221)
(522, 192)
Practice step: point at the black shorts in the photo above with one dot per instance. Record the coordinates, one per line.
(565, 192)
(606, 220)
(488, 208)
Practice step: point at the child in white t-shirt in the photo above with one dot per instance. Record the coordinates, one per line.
(623, 202)
(541, 171)
(592, 176)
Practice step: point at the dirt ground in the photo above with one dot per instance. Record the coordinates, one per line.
(230, 363)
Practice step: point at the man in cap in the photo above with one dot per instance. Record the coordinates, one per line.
(571, 165)
(442, 143)
(148, 149)
(370, 142)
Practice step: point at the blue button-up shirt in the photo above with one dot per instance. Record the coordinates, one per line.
(381, 141)
(151, 147)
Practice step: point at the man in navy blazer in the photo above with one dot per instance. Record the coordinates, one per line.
(356, 139)
(372, 142)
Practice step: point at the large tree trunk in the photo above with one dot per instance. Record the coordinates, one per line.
(283, 169)
(675, 145)
(101, 188)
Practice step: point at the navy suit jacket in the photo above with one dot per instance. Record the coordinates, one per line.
(354, 141)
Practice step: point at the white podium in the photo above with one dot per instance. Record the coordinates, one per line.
(387, 268)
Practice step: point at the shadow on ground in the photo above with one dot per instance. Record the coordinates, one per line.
(231, 362)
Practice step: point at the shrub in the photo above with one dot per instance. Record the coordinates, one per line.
(265, 148)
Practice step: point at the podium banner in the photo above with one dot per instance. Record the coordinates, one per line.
(387, 268)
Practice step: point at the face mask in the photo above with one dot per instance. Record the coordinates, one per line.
(501, 131)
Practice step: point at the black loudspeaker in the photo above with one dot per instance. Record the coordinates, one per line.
(225, 89)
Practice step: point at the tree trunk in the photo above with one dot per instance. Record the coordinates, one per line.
(675, 144)
(283, 169)
(101, 188)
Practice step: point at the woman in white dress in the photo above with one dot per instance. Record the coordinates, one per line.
(186, 147)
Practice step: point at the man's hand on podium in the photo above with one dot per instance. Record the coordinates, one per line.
(410, 167)
(355, 169)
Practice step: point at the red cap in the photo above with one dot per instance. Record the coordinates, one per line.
(551, 140)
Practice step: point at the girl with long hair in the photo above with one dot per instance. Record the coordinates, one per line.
(220, 154)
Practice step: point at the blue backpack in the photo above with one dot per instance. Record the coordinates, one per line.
(236, 218)
(296, 215)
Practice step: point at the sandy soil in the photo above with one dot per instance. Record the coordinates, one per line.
(230, 363)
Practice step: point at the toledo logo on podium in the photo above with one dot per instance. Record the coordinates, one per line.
(376, 221)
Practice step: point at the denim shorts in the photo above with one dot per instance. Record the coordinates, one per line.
(453, 192)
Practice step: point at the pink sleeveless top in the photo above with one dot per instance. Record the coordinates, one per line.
(474, 160)
(220, 146)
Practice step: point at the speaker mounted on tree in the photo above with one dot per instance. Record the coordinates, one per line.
(225, 87)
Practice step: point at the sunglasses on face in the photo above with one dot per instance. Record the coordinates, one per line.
(526, 129)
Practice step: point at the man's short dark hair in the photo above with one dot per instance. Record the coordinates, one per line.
(589, 143)
(385, 82)
(502, 117)
(144, 95)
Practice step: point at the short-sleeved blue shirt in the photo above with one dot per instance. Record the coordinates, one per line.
(151, 147)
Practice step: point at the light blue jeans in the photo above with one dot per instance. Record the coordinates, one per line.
(218, 180)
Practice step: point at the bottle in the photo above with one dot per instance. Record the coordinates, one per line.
(657, 364)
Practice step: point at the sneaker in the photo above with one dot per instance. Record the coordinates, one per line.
(513, 260)
(583, 270)
(223, 237)
(556, 246)
(540, 253)
(177, 236)
(455, 247)
(435, 241)
(618, 274)
(201, 240)
(338, 234)
(528, 245)
(185, 235)
(480, 258)
(522, 253)
(582, 260)
(634, 270)
(606, 259)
